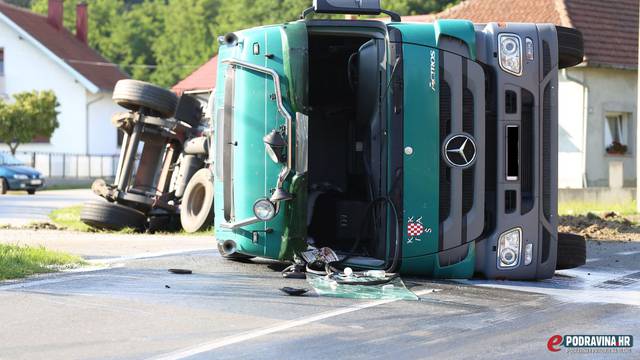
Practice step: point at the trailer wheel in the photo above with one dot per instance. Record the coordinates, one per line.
(110, 216)
(570, 47)
(228, 251)
(164, 223)
(572, 251)
(196, 211)
(134, 95)
(4, 186)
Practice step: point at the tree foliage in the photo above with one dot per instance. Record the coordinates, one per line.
(164, 40)
(31, 114)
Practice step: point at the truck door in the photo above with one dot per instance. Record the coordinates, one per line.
(250, 106)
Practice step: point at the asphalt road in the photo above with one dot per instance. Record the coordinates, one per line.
(18, 209)
(135, 309)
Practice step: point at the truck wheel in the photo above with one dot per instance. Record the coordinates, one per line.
(31, 191)
(134, 94)
(164, 223)
(572, 251)
(110, 216)
(570, 47)
(196, 211)
(4, 186)
(229, 252)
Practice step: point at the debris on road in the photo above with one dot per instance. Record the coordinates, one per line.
(181, 271)
(609, 226)
(294, 291)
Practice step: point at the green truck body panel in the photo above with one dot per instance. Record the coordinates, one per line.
(255, 114)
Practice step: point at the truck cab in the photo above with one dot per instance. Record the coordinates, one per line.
(425, 149)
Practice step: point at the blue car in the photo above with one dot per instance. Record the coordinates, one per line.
(15, 175)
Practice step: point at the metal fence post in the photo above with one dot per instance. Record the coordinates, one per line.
(64, 165)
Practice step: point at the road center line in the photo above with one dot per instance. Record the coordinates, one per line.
(242, 337)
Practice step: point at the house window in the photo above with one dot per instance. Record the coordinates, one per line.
(616, 133)
(1, 62)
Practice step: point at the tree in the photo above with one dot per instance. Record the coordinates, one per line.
(31, 114)
(164, 40)
(187, 41)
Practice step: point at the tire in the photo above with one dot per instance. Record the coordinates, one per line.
(165, 223)
(196, 211)
(134, 95)
(570, 47)
(4, 186)
(110, 216)
(572, 251)
(231, 254)
(31, 191)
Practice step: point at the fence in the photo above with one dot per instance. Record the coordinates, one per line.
(71, 166)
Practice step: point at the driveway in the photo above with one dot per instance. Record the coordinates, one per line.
(20, 209)
(136, 309)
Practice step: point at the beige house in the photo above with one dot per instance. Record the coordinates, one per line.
(598, 114)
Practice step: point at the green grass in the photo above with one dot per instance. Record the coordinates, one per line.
(69, 218)
(67, 187)
(581, 208)
(21, 261)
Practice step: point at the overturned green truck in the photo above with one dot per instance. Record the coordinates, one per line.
(426, 149)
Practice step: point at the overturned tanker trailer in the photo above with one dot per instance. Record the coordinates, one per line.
(426, 149)
(163, 172)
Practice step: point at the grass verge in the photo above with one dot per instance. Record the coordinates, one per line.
(21, 261)
(583, 208)
(69, 218)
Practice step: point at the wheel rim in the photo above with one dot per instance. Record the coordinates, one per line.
(196, 200)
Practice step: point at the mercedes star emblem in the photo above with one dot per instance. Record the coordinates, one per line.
(459, 150)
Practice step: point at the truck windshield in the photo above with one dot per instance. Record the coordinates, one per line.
(8, 159)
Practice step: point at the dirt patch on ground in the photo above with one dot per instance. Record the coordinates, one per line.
(609, 226)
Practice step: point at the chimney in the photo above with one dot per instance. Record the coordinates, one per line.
(82, 23)
(55, 14)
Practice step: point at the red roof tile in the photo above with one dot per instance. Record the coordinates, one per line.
(204, 78)
(66, 46)
(610, 28)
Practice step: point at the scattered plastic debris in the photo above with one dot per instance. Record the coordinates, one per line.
(294, 291)
(323, 255)
(181, 271)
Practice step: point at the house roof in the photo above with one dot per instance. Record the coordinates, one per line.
(91, 69)
(609, 28)
(204, 78)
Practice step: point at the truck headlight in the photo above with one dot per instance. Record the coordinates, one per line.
(509, 248)
(20, 177)
(510, 50)
(264, 209)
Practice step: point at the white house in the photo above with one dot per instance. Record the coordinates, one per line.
(597, 99)
(38, 53)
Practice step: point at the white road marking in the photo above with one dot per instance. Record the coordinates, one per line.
(245, 336)
(578, 286)
(148, 256)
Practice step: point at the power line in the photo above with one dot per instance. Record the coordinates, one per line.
(146, 66)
